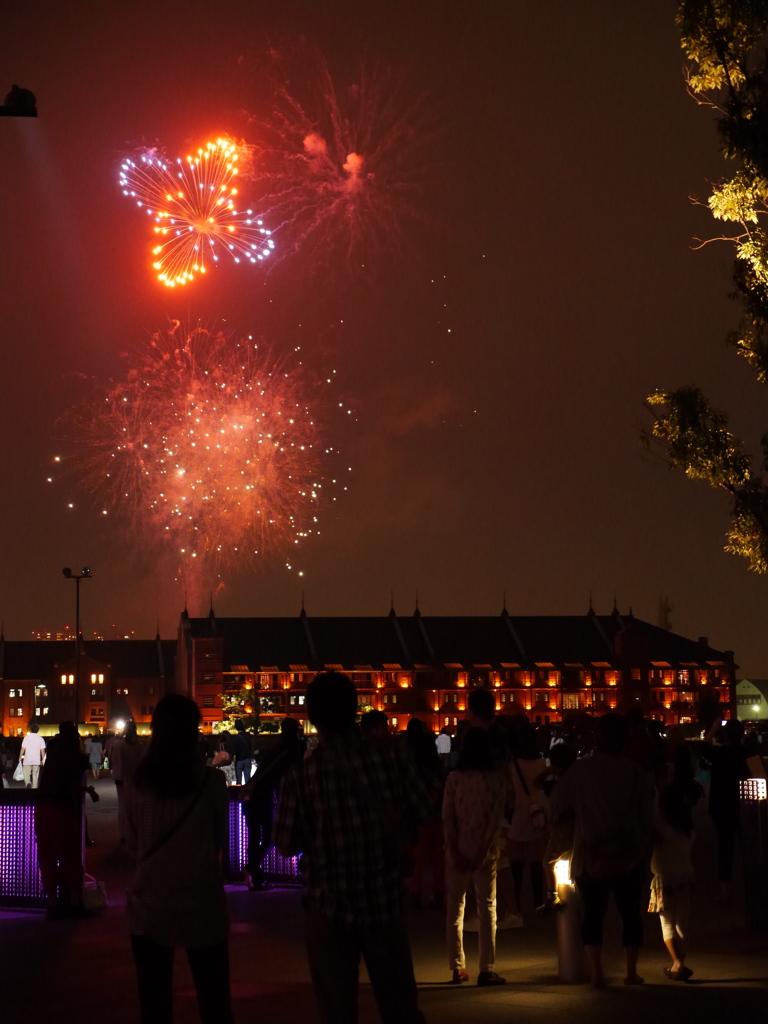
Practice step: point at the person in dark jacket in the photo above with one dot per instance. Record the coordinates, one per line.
(259, 799)
(724, 750)
(59, 822)
(242, 754)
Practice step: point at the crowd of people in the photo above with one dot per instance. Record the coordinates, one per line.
(387, 821)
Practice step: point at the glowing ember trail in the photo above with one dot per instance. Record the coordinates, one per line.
(192, 202)
(341, 168)
(209, 446)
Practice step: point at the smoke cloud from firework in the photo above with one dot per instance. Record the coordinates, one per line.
(208, 446)
(341, 168)
(192, 204)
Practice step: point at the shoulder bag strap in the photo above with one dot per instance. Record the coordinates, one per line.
(159, 843)
(523, 783)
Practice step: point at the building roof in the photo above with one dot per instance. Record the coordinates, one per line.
(455, 642)
(761, 685)
(128, 659)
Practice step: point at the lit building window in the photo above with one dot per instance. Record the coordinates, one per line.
(45, 711)
(101, 677)
(71, 679)
(11, 693)
(63, 679)
(394, 723)
(93, 677)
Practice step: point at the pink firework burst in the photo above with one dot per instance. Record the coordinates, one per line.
(342, 167)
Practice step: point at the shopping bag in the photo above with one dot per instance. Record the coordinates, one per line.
(18, 775)
(94, 894)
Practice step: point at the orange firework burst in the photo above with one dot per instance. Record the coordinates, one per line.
(209, 445)
(192, 202)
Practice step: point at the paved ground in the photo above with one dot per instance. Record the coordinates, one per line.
(72, 971)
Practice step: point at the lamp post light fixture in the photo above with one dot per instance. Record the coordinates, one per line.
(19, 103)
(84, 574)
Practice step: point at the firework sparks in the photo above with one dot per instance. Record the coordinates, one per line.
(192, 203)
(341, 169)
(209, 446)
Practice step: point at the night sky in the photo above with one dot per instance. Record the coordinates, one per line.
(496, 361)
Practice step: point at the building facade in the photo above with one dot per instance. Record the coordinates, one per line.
(112, 679)
(548, 667)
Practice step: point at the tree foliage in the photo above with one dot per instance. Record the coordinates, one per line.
(726, 42)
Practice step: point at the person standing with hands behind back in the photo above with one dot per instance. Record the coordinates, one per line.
(473, 805)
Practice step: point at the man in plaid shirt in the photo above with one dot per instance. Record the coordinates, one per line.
(348, 808)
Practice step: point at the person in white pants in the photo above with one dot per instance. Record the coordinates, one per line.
(473, 807)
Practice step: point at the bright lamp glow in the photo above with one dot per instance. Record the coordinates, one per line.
(563, 871)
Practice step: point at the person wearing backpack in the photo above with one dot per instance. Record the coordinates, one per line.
(610, 800)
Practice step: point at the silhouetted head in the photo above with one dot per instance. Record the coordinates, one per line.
(331, 702)
(289, 727)
(175, 719)
(482, 705)
(374, 724)
(172, 763)
(611, 733)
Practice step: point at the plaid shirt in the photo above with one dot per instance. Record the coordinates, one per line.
(347, 809)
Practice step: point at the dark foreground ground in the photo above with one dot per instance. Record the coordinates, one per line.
(58, 971)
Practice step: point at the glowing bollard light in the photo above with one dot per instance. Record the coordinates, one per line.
(753, 801)
(570, 953)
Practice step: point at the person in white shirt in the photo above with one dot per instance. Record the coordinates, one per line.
(443, 744)
(32, 757)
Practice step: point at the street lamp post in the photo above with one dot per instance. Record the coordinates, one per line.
(84, 574)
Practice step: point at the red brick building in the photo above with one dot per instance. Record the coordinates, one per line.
(423, 666)
(117, 679)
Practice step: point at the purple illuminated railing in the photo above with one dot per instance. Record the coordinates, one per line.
(276, 867)
(19, 874)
